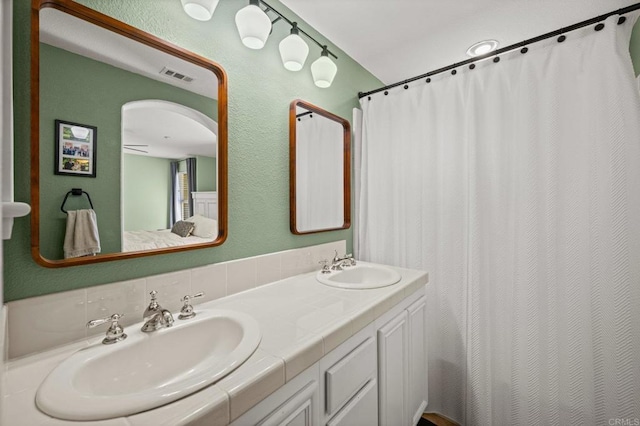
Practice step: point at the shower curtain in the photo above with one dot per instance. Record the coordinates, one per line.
(319, 173)
(516, 185)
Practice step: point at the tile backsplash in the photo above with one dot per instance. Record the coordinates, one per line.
(40, 323)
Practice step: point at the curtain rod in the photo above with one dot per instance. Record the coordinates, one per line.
(302, 114)
(521, 45)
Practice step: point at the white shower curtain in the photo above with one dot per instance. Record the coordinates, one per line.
(319, 173)
(516, 185)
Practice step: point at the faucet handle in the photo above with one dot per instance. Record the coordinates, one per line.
(153, 303)
(115, 333)
(187, 310)
(348, 260)
(325, 266)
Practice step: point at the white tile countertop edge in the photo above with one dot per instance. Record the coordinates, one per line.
(301, 321)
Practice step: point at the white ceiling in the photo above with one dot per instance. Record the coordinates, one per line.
(163, 129)
(399, 39)
(83, 38)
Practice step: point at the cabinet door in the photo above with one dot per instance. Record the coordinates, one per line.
(393, 372)
(297, 411)
(417, 360)
(362, 410)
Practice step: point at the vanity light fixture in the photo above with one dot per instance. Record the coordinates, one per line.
(323, 69)
(482, 48)
(253, 25)
(293, 50)
(201, 10)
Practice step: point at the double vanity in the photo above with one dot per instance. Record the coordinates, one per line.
(293, 352)
(344, 345)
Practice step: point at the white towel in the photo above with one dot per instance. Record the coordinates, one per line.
(81, 238)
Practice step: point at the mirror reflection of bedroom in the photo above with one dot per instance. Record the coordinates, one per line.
(169, 195)
(154, 121)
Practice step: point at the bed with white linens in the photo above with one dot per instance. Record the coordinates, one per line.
(205, 231)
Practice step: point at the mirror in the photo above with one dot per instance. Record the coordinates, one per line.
(320, 169)
(129, 136)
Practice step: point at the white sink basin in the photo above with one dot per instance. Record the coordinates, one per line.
(361, 276)
(148, 370)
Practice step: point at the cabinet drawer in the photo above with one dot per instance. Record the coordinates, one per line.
(362, 410)
(349, 375)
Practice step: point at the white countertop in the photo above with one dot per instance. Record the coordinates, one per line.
(301, 320)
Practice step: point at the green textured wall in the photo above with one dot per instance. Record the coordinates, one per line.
(145, 197)
(634, 47)
(205, 173)
(260, 91)
(80, 90)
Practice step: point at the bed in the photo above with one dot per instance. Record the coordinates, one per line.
(148, 240)
(205, 231)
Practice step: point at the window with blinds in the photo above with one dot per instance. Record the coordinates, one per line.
(183, 195)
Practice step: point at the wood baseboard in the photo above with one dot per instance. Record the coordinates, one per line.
(439, 420)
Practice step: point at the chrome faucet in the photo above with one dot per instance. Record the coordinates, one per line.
(155, 317)
(339, 262)
(187, 311)
(115, 333)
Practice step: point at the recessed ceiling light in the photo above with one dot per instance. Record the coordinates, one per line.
(482, 47)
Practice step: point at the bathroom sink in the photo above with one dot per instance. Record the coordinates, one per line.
(148, 370)
(361, 276)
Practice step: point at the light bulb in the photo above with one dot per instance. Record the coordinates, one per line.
(201, 10)
(253, 25)
(293, 50)
(482, 48)
(323, 70)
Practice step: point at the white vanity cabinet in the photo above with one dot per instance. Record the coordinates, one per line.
(416, 318)
(349, 382)
(402, 367)
(376, 377)
(393, 371)
(297, 403)
(206, 204)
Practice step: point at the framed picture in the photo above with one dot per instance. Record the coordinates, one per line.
(75, 149)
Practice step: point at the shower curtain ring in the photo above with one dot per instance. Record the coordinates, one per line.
(562, 36)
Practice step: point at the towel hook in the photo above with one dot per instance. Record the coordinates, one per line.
(75, 191)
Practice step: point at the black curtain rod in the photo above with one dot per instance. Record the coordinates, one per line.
(520, 45)
(302, 114)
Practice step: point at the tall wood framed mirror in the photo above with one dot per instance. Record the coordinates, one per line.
(319, 169)
(128, 141)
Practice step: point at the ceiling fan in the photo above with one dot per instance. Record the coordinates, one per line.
(128, 146)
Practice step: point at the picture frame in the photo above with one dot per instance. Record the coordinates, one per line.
(75, 149)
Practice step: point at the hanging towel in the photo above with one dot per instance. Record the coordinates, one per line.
(81, 238)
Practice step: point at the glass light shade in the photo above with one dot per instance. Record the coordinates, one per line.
(293, 51)
(323, 71)
(80, 132)
(201, 10)
(254, 26)
(482, 48)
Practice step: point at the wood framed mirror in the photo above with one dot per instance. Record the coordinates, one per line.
(129, 127)
(319, 169)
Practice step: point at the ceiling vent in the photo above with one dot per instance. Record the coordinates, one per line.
(175, 74)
